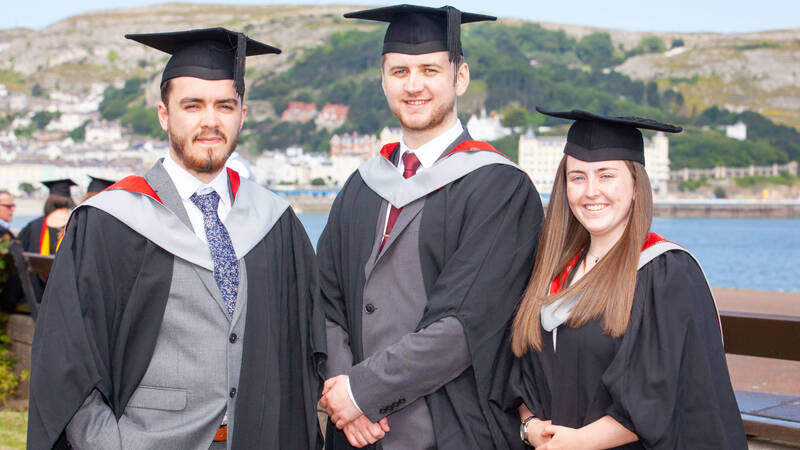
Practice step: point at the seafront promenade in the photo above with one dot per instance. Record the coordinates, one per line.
(761, 374)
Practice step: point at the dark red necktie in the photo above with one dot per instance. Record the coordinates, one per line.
(410, 165)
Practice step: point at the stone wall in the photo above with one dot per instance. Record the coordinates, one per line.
(20, 330)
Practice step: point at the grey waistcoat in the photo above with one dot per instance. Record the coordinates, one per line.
(188, 386)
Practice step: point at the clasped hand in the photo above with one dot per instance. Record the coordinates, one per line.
(360, 431)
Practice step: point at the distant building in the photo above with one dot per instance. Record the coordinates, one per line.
(389, 135)
(540, 156)
(3, 90)
(736, 131)
(299, 112)
(18, 101)
(487, 128)
(357, 145)
(332, 116)
(723, 172)
(67, 122)
(103, 132)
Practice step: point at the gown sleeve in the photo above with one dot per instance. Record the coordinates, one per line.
(669, 381)
(515, 384)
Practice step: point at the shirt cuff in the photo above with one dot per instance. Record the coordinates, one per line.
(352, 399)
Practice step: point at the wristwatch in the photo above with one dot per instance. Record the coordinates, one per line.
(523, 430)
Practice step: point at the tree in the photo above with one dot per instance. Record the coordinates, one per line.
(79, 133)
(596, 50)
(37, 90)
(515, 117)
(653, 99)
(318, 182)
(27, 188)
(42, 118)
(677, 42)
(649, 44)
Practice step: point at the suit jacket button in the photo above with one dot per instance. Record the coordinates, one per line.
(370, 308)
(232, 338)
(233, 392)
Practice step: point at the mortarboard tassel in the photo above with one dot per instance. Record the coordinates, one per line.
(238, 69)
(453, 32)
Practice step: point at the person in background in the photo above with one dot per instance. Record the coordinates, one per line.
(617, 340)
(424, 258)
(10, 288)
(95, 186)
(180, 312)
(7, 207)
(41, 235)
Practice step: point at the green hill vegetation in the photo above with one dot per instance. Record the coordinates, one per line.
(513, 68)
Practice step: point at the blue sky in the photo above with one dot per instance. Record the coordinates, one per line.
(677, 15)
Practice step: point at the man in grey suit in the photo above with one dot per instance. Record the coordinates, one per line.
(180, 309)
(426, 252)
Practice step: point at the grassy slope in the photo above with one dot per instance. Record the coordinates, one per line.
(13, 427)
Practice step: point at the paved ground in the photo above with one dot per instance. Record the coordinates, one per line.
(761, 374)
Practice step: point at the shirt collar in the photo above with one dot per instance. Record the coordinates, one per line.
(187, 184)
(430, 151)
(5, 224)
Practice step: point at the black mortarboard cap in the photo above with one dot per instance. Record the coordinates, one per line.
(98, 184)
(208, 53)
(594, 137)
(60, 187)
(416, 30)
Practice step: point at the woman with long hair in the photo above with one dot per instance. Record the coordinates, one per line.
(617, 338)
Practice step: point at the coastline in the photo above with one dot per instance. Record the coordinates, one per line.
(661, 208)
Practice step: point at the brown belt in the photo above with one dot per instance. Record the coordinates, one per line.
(222, 434)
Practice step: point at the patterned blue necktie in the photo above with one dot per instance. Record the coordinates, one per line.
(226, 266)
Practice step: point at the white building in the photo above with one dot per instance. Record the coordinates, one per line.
(3, 90)
(540, 156)
(18, 101)
(11, 175)
(736, 131)
(103, 132)
(67, 122)
(487, 128)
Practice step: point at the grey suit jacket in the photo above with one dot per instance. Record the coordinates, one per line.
(401, 365)
(192, 377)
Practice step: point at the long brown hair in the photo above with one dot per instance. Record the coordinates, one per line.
(605, 290)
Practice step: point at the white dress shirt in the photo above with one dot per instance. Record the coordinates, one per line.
(187, 184)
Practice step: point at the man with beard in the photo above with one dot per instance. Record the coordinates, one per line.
(426, 252)
(179, 312)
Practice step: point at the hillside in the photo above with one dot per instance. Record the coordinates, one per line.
(755, 71)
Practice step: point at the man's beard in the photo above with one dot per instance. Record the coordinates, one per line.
(208, 163)
(438, 116)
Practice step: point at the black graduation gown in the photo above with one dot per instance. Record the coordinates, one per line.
(666, 379)
(477, 241)
(30, 237)
(101, 314)
(31, 234)
(10, 289)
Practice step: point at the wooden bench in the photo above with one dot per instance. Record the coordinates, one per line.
(30, 265)
(771, 416)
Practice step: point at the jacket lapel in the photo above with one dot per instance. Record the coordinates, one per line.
(162, 184)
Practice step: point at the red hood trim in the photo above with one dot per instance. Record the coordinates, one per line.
(464, 146)
(136, 184)
(387, 150)
(557, 284)
(233, 176)
(467, 146)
